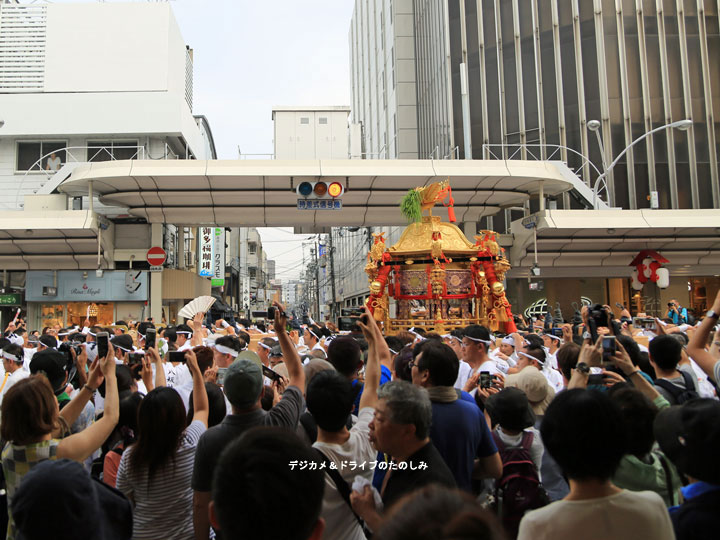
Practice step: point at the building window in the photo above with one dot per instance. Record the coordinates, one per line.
(322, 120)
(252, 272)
(305, 120)
(40, 156)
(112, 150)
(252, 248)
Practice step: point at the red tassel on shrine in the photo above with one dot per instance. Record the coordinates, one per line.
(450, 205)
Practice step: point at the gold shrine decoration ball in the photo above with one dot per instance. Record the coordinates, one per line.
(375, 287)
(498, 289)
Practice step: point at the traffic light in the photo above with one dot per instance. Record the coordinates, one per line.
(320, 190)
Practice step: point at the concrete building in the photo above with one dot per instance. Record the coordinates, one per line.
(384, 78)
(314, 133)
(531, 80)
(92, 83)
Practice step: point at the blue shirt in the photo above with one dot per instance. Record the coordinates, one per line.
(385, 376)
(694, 490)
(460, 434)
(678, 319)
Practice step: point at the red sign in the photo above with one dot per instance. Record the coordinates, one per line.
(156, 256)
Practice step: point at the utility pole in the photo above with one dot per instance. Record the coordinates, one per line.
(333, 309)
(316, 275)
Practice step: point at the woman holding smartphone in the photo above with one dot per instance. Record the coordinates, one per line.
(155, 472)
(33, 424)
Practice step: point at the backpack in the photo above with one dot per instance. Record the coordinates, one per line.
(518, 489)
(680, 395)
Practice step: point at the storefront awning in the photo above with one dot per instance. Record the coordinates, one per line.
(262, 193)
(51, 240)
(604, 242)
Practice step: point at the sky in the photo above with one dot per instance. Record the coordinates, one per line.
(250, 56)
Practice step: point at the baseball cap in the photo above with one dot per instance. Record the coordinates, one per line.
(61, 492)
(511, 409)
(689, 435)
(50, 363)
(243, 383)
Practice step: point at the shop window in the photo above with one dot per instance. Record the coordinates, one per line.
(29, 156)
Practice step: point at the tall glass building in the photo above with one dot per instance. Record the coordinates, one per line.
(538, 71)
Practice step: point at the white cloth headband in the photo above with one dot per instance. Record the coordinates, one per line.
(9, 356)
(183, 332)
(508, 341)
(531, 357)
(222, 349)
(268, 347)
(392, 351)
(450, 336)
(485, 341)
(551, 336)
(314, 334)
(122, 348)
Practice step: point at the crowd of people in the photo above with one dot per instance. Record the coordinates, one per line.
(598, 428)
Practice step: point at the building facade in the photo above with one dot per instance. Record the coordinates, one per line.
(85, 83)
(577, 81)
(383, 78)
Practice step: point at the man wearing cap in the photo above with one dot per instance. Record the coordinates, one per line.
(690, 436)
(243, 386)
(12, 359)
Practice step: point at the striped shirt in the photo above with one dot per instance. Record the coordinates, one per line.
(163, 507)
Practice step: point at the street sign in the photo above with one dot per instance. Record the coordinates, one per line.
(319, 204)
(10, 299)
(156, 268)
(156, 256)
(131, 280)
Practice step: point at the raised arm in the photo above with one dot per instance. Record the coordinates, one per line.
(81, 445)
(377, 347)
(291, 357)
(696, 347)
(196, 323)
(154, 355)
(72, 410)
(201, 405)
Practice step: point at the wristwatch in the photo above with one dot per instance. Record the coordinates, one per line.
(712, 315)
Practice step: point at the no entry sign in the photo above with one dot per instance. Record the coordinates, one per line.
(156, 256)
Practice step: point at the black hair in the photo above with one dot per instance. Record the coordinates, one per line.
(393, 343)
(241, 334)
(535, 341)
(161, 423)
(15, 350)
(121, 323)
(345, 354)
(330, 399)
(402, 370)
(315, 331)
(440, 360)
(170, 335)
(255, 476)
(435, 512)
(230, 342)
(143, 327)
(638, 415)
(631, 347)
(665, 351)
(216, 400)
(362, 343)
(584, 432)
(538, 353)
(4, 342)
(433, 336)
(475, 332)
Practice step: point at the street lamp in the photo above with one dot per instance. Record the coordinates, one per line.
(594, 125)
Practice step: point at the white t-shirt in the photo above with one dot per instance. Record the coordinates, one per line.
(628, 515)
(339, 520)
(554, 378)
(14, 377)
(176, 375)
(464, 373)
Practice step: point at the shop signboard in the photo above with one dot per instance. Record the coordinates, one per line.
(218, 257)
(10, 299)
(205, 249)
(79, 286)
